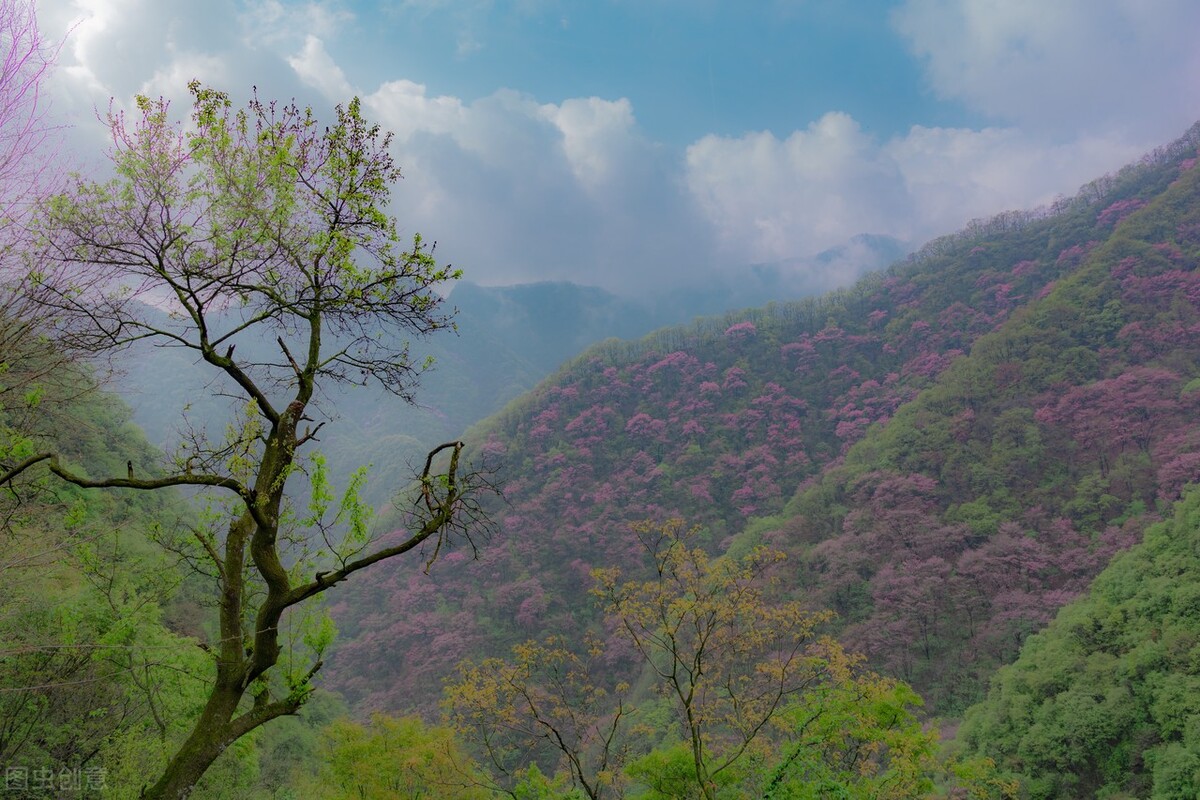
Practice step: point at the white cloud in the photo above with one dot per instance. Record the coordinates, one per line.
(774, 199)
(1080, 87)
(99, 35)
(953, 175)
(170, 79)
(273, 23)
(770, 198)
(1064, 67)
(513, 188)
(406, 109)
(596, 135)
(520, 189)
(314, 66)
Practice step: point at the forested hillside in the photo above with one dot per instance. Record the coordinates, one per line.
(507, 339)
(1106, 700)
(950, 534)
(949, 450)
(698, 532)
(947, 453)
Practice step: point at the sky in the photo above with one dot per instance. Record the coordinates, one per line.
(642, 144)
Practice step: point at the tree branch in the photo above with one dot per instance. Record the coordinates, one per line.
(442, 514)
(149, 484)
(263, 712)
(288, 353)
(24, 465)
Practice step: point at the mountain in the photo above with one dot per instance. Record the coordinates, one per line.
(508, 338)
(949, 450)
(1105, 702)
(995, 434)
(545, 323)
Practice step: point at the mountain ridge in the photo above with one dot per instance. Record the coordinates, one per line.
(731, 420)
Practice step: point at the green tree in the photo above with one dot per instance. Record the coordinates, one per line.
(27, 174)
(1105, 701)
(852, 737)
(388, 759)
(91, 675)
(251, 226)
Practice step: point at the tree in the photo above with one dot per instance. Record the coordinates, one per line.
(855, 737)
(24, 64)
(252, 226)
(26, 173)
(391, 758)
(1105, 700)
(26, 168)
(547, 701)
(739, 695)
(729, 659)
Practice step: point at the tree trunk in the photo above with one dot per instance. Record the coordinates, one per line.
(210, 736)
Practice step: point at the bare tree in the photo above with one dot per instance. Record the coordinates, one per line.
(27, 173)
(251, 226)
(25, 61)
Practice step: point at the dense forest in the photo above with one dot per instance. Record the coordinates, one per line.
(929, 535)
(1016, 391)
(947, 452)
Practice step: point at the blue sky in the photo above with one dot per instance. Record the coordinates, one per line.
(689, 68)
(645, 143)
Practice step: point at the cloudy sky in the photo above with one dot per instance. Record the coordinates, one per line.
(626, 143)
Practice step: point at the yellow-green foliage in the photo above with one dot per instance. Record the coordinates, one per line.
(390, 759)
